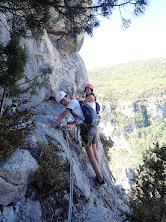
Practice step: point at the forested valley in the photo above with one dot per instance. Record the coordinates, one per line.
(132, 97)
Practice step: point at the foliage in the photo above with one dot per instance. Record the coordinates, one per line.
(107, 144)
(121, 159)
(14, 82)
(122, 121)
(120, 84)
(78, 16)
(139, 137)
(130, 81)
(141, 118)
(144, 138)
(149, 190)
(27, 15)
(51, 167)
(15, 126)
(12, 62)
(50, 181)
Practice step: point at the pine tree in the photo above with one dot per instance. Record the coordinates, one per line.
(79, 16)
(148, 196)
(16, 124)
(12, 62)
(13, 58)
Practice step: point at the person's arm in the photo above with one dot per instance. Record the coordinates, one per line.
(60, 118)
(89, 98)
(71, 123)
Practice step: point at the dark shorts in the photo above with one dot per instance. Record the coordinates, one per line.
(88, 135)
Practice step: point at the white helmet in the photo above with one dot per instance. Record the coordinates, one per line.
(60, 95)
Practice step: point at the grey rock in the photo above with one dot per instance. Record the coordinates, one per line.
(14, 175)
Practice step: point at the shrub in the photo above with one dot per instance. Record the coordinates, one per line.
(51, 182)
(52, 170)
(15, 126)
(107, 144)
(148, 195)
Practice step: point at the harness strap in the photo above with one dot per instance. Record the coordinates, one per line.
(84, 144)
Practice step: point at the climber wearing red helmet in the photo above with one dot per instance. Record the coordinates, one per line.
(91, 100)
(90, 97)
(89, 86)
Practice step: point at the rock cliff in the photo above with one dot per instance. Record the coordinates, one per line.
(129, 122)
(18, 202)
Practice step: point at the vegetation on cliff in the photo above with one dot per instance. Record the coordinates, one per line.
(16, 125)
(129, 81)
(128, 89)
(78, 16)
(148, 193)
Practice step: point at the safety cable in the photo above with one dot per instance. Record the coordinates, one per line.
(71, 184)
(66, 131)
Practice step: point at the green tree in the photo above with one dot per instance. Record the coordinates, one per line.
(107, 144)
(78, 16)
(148, 196)
(13, 58)
(12, 62)
(15, 125)
(141, 118)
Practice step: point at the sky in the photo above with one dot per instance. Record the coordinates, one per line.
(144, 39)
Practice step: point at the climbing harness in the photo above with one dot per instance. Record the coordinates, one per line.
(83, 143)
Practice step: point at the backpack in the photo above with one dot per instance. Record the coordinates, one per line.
(97, 108)
(91, 118)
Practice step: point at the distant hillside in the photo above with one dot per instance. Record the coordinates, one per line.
(129, 81)
(132, 121)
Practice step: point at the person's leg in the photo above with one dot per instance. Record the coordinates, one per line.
(97, 139)
(93, 132)
(97, 144)
(88, 135)
(96, 154)
(94, 163)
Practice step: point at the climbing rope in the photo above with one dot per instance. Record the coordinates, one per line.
(73, 131)
(71, 185)
(66, 129)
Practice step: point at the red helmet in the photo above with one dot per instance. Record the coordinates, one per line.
(89, 86)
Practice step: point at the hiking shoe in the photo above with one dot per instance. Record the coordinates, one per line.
(100, 183)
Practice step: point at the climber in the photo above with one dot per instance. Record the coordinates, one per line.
(88, 133)
(91, 100)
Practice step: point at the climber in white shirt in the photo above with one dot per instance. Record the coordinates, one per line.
(87, 133)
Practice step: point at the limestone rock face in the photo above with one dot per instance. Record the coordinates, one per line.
(68, 72)
(4, 33)
(68, 69)
(88, 200)
(18, 202)
(150, 109)
(14, 175)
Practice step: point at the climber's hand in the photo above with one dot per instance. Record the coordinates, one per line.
(47, 123)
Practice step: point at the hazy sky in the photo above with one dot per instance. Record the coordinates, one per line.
(145, 38)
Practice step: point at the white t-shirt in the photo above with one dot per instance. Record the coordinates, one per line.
(92, 104)
(76, 111)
